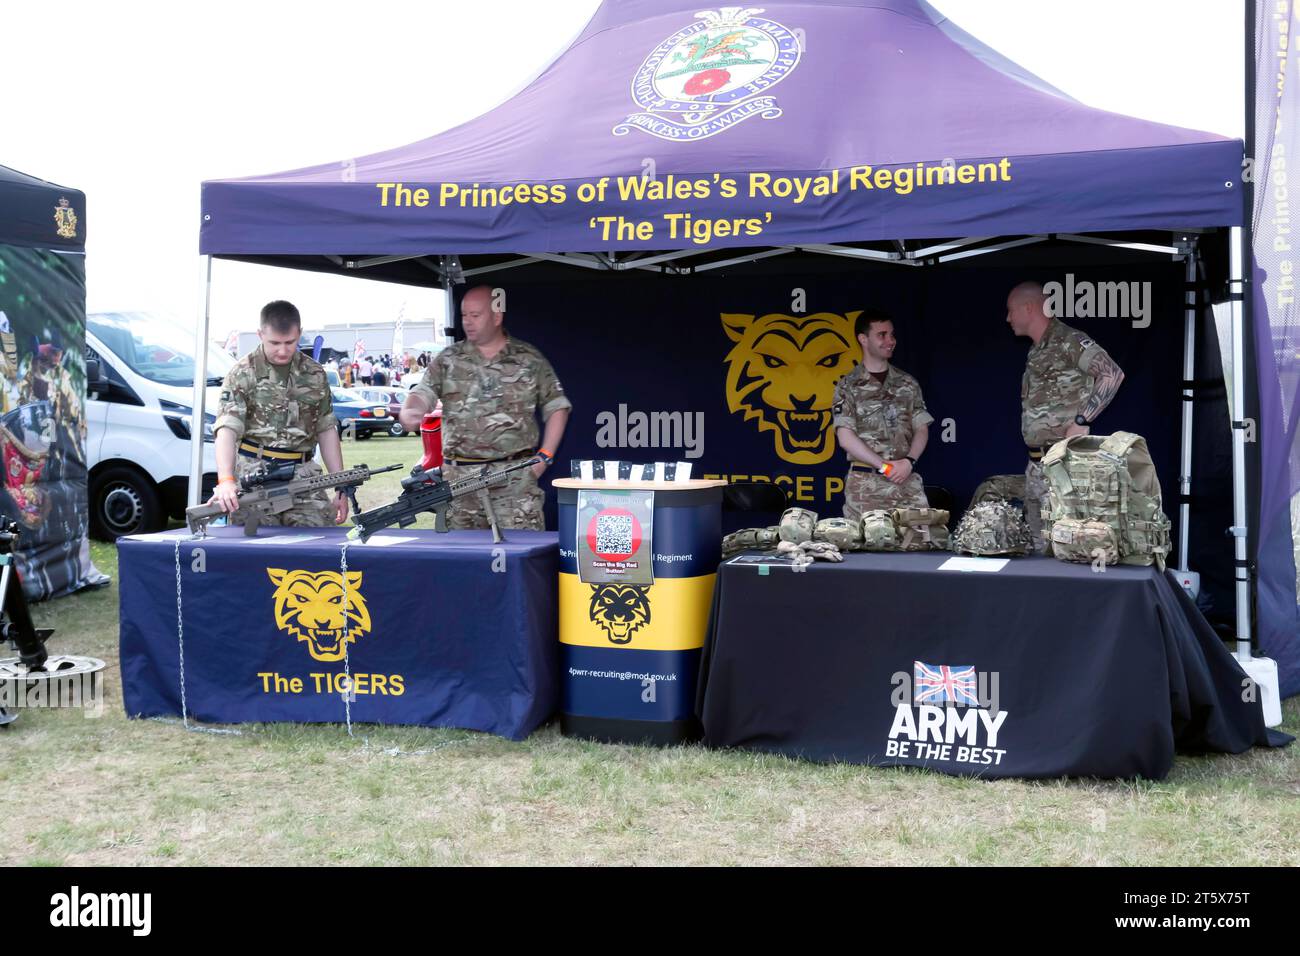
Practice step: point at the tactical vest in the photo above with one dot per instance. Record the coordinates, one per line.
(1105, 495)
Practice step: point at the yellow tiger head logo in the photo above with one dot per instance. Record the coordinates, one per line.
(782, 372)
(309, 606)
(621, 609)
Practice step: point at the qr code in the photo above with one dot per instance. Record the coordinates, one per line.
(614, 534)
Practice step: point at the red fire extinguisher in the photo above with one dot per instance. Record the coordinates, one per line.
(431, 434)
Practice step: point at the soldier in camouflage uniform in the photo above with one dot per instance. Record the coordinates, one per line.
(491, 387)
(880, 419)
(1069, 380)
(275, 407)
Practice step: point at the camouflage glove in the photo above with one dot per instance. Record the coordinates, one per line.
(804, 554)
(822, 550)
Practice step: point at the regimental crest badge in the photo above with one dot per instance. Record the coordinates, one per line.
(65, 219)
(711, 75)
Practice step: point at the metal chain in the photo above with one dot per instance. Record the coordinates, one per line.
(180, 645)
(347, 632)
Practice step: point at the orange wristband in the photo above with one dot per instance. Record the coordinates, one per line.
(546, 454)
(226, 479)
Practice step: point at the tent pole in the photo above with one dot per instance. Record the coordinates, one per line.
(1236, 289)
(449, 300)
(1189, 373)
(200, 388)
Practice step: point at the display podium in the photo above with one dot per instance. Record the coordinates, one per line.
(630, 652)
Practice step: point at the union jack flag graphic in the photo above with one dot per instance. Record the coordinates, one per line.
(937, 683)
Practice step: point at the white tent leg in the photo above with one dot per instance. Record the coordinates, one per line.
(1189, 373)
(1236, 288)
(1261, 670)
(200, 388)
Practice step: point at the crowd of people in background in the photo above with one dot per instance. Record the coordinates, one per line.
(380, 370)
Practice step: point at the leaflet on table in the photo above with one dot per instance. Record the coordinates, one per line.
(615, 535)
(764, 560)
(284, 539)
(974, 564)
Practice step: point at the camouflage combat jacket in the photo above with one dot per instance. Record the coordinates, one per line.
(885, 415)
(1056, 383)
(488, 404)
(278, 406)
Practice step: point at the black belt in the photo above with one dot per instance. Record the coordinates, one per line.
(251, 449)
(490, 461)
(861, 466)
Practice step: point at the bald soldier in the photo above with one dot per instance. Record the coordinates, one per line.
(492, 386)
(881, 423)
(1069, 380)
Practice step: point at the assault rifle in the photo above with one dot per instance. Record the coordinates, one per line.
(272, 490)
(429, 491)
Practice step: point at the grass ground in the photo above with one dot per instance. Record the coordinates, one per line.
(124, 792)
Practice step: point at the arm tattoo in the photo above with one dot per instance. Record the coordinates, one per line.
(1107, 377)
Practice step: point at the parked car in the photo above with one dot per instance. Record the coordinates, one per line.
(362, 417)
(140, 386)
(393, 397)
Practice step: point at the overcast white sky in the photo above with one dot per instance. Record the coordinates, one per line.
(136, 103)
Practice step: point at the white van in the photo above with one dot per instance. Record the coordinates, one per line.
(139, 384)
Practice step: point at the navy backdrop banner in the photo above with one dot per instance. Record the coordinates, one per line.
(448, 630)
(43, 415)
(743, 404)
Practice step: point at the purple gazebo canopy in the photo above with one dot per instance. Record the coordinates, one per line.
(791, 89)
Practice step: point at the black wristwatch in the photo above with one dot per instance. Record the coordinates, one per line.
(912, 460)
(1080, 420)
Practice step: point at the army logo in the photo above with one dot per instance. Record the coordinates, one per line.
(65, 219)
(782, 372)
(309, 606)
(620, 609)
(711, 75)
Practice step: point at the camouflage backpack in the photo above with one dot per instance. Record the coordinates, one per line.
(879, 532)
(922, 529)
(1110, 481)
(841, 532)
(995, 526)
(1007, 487)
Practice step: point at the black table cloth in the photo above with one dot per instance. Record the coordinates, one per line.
(1041, 669)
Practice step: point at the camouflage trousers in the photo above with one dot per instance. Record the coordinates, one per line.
(867, 491)
(516, 501)
(1037, 504)
(309, 511)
